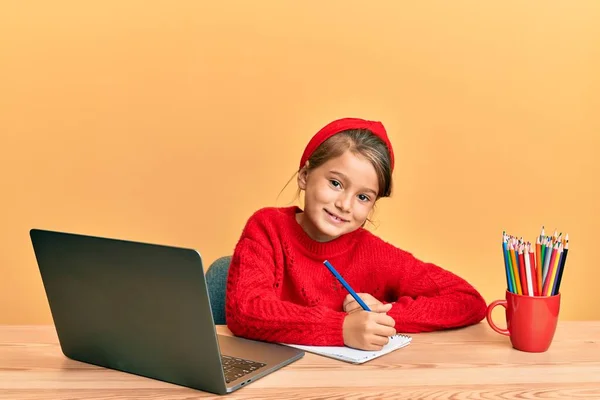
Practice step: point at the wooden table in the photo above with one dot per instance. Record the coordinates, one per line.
(470, 363)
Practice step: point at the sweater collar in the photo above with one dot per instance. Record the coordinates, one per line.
(321, 250)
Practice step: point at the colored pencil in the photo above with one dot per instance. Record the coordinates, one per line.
(523, 273)
(536, 291)
(563, 260)
(515, 266)
(547, 259)
(506, 265)
(511, 272)
(528, 275)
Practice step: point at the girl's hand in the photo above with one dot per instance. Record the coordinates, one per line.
(368, 330)
(350, 305)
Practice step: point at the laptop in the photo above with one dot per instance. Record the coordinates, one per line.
(144, 309)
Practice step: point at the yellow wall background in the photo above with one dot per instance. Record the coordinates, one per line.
(171, 122)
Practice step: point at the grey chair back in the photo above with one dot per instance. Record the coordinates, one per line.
(216, 280)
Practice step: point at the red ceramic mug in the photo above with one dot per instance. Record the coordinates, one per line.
(530, 320)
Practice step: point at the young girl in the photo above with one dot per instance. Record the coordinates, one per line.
(278, 288)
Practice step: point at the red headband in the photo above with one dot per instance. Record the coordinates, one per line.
(343, 124)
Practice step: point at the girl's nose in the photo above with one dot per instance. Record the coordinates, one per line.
(343, 202)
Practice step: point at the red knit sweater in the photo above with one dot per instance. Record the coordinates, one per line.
(278, 289)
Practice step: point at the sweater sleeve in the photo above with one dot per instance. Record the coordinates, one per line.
(255, 311)
(429, 298)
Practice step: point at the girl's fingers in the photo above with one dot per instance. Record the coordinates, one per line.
(375, 307)
(351, 307)
(381, 308)
(380, 340)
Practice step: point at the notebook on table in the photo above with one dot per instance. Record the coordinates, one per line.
(356, 356)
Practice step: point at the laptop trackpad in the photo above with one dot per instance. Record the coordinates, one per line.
(252, 350)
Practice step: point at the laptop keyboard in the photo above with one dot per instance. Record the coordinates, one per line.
(234, 368)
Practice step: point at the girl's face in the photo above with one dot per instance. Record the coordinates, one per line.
(339, 195)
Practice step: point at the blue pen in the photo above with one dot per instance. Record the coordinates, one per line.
(348, 288)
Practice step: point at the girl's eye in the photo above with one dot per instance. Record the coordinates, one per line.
(363, 197)
(335, 183)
